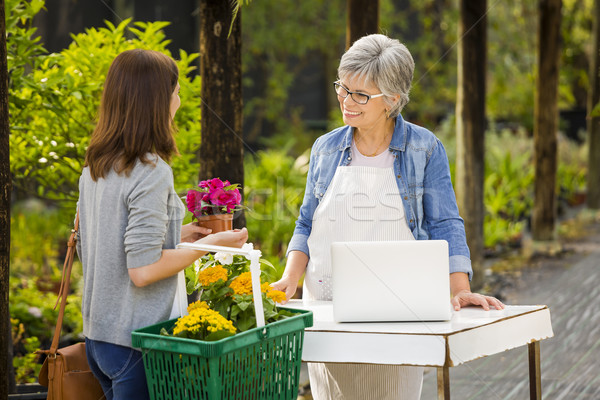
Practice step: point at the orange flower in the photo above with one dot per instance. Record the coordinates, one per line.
(265, 287)
(276, 295)
(242, 284)
(212, 274)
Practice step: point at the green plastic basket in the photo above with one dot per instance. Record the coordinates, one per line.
(261, 363)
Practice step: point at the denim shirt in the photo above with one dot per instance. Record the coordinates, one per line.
(423, 177)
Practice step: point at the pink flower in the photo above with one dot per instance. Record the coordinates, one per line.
(214, 197)
(212, 184)
(193, 200)
(219, 197)
(235, 198)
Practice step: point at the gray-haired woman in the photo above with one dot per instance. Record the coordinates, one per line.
(377, 178)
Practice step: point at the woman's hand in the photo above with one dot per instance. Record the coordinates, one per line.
(294, 268)
(234, 238)
(192, 232)
(287, 285)
(466, 298)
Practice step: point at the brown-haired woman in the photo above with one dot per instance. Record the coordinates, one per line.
(130, 218)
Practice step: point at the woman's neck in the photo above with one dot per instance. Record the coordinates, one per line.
(374, 141)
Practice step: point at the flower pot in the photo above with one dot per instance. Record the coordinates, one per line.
(216, 222)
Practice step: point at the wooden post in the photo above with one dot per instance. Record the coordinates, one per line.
(221, 148)
(593, 178)
(443, 383)
(5, 191)
(535, 375)
(363, 19)
(546, 120)
(470, 127)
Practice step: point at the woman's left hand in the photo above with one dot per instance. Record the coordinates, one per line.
(192, 232)
(467, 298)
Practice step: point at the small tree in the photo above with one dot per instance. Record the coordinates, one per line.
(222, 147)
(363, 19)
(593, 188)
(470, 126)
(5, 191)
(546, 120)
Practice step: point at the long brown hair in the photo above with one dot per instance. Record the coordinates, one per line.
(134, 117)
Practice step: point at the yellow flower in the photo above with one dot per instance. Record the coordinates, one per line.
(242, 284)
(276, 295)
(202, 321)
(212, 274)
(265, 287)
(197, 304)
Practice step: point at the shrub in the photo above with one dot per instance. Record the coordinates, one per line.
(54, 100)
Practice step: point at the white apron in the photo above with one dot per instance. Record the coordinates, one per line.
(360, 204)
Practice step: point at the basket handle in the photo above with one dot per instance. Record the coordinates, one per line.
(254, 257)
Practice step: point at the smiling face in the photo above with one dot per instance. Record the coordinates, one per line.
(363, 117)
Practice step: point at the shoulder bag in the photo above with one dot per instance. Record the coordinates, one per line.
(66, 372)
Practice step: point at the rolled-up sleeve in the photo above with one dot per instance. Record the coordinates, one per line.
(303, 228)
(442, 218)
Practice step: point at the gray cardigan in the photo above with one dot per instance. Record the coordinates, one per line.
(126, 222)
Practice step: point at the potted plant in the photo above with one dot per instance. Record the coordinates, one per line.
(214, 203)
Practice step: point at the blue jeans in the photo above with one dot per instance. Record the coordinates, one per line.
(119, 369)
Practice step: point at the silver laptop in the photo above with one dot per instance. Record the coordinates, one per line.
(391, 281)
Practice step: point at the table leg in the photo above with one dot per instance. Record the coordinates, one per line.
(443, 383)
(535, 376)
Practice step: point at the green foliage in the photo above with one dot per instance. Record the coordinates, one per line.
(576, 41)
(274, 189)
(23, 47)
(37, 236)
(237, 5)
(26, 366)
(33, 305)
(33, 319)
(508, 187)
(35, 225)
(595, 111)
(53, 106)
(509, 179)
(429, 31)
(38, 233)
(512, 61)
(280, 39)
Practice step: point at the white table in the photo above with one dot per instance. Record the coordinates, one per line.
(471, 333)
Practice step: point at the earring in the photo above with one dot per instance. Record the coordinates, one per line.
(387, 113)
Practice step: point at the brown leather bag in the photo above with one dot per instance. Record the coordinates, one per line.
(66, 372)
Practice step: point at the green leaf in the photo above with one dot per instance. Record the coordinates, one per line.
(246, 323)
(164, 332)
(595, 111)
(214, 336)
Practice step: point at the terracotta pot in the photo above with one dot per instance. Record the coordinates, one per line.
(217, 222)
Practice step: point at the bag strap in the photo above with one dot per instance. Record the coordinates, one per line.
(65, 285)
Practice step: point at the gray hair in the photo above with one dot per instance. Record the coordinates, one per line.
(384, 62)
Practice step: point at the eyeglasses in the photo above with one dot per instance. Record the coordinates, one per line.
(360, 98)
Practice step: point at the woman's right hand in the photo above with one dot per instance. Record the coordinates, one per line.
(234, 238)
(294, 268)
(287, 285)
